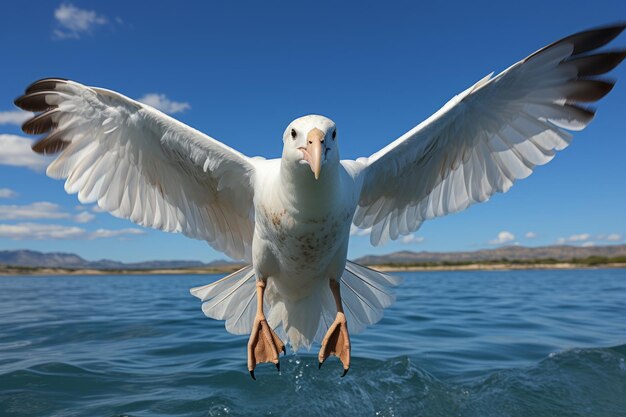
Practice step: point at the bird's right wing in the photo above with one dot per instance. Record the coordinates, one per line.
(487, 137)
(140, 164)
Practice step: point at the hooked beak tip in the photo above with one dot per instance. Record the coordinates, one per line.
(315, 138)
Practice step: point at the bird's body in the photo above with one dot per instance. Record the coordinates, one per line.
(290, 218)
(302, 229)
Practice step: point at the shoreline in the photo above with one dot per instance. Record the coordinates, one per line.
(24, 271)
(494, 267)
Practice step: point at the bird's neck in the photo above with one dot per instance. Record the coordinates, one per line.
(301, 189)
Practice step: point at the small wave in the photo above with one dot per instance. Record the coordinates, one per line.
(577, 382)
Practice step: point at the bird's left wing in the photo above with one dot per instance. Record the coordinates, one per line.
(485, 138)
(140, 164)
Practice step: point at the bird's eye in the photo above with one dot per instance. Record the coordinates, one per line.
(293, 133)
(334, 134)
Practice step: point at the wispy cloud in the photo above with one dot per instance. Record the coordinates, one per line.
(7, 193)
(84, 217)
(581, 237)
(613, 237)
(530, 235)
(587, 239)
(36, 231)
(163, 103)
(39, 210)
(104, 233)
(355, 231)
(411, 239)
(73, 22)
(14, 117)
(16, 151)
(503, 237)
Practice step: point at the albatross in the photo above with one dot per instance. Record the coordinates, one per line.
(289, 218)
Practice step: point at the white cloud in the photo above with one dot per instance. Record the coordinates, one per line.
(84, 217)
(161, 102)
(16, 151)
(530, 235)
(38, 210)
(503, 237)
(100, 233)
(613, 237)
(74, 22)
(411, 239)
(15, 117)
(36, 231)
(581, 237)
(355, 231)
(588, 244)
(41, 210)
(7, 193)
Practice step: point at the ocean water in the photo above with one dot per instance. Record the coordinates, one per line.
(516, 343)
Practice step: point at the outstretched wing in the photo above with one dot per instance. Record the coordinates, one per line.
(140, 164)
(485, 138)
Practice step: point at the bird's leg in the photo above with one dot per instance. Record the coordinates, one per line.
(337, 340)
(264, 345)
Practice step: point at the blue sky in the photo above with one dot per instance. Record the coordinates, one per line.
(241, 71)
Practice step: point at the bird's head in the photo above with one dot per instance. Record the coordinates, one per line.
(310, 142)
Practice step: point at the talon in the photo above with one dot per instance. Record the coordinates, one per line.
(284, 350)
(252, 375)
(319, 366)
(345, 371)
(278, 366)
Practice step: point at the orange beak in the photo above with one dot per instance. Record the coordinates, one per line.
(314, 150)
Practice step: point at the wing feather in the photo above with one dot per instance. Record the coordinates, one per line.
(484, 139)
(140, 164)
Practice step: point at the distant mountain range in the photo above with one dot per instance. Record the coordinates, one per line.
(561, 253)
(29, 258)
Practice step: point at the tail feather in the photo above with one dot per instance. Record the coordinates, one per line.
(365, 293)
(231, 298)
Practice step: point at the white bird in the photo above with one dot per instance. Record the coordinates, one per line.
(290, 218)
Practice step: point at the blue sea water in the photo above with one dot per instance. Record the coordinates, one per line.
(516, 343)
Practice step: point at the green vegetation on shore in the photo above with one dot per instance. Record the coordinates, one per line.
(588, 261)
(29, 270)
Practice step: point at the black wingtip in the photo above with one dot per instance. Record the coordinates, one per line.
(252, 375)
(595, 38)
(45, 84)
(587, 40)
(597, 64)
(41, 123)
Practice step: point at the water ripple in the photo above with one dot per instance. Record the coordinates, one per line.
(522, 343)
